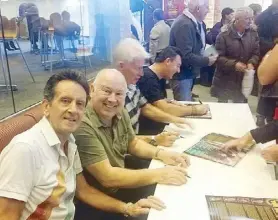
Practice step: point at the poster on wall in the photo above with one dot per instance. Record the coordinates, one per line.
(173, 8)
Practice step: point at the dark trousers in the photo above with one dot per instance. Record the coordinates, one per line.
(206, 75)
(86, 212)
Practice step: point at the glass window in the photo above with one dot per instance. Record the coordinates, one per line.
(45, 37)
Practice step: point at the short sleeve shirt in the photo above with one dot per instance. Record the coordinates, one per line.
(34, 169)
(133, 103)
(153, 89)
(97, 142)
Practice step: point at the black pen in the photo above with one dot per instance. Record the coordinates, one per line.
(179, 165)
(200, 102)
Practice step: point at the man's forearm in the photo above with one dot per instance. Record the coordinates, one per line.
(142, 149)
(158, 115)
(173, 109)
(99, 200)
(144, 138)
(126, 178)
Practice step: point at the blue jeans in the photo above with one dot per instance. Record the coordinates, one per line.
(182, 89)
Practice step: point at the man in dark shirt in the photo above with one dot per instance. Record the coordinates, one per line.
(263, 135)
(153, 87)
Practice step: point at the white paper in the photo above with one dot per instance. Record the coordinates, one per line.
(210, 51)
(247, 83)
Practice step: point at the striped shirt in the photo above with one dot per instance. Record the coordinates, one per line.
(133, 103)
(34, 169)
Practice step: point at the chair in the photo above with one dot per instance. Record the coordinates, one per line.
(85, 51)
(57, 33)
(10, 34)
(18, 124)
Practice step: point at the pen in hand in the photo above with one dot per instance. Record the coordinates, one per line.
(179, 165)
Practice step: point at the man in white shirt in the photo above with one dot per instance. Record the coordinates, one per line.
(40, 169)
(160, 34)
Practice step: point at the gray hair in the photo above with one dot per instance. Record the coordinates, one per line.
(193, 4)
(128, 50)
(243, 12)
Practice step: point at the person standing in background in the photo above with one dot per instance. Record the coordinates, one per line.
(257, 9)
(207, 72)
(160, 34)
(188, 33)
(267, 23)
(227, 17)
(238, 48)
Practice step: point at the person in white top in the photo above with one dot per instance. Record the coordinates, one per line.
(40, 170)
(160, 34)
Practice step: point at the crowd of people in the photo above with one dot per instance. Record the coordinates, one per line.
(88, 157)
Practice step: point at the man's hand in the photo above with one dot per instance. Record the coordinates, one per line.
(241, 67)
(240, 143)
(250, 66)
(166, 139)
(237, 144)
(171, 175)
(183, 123)
(201, 109)
(143, 206)
(212, 59)
(173, 158)
(271, 153)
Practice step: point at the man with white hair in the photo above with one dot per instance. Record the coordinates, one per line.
(129, 58)
(238, 48)
(188, 34)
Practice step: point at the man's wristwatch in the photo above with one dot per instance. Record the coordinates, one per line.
(153, 141)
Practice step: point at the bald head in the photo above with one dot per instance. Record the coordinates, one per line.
(108, 93)
(110, 77)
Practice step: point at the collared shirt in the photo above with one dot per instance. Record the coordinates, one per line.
(240, 34)
(98, 142)
(133, 103)
(159, 38)
(34, 169)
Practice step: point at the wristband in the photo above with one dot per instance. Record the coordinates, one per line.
(153, 141)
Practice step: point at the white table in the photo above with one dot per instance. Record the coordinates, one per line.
(250, 177)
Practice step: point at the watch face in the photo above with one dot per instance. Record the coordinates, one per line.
(153, 142)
